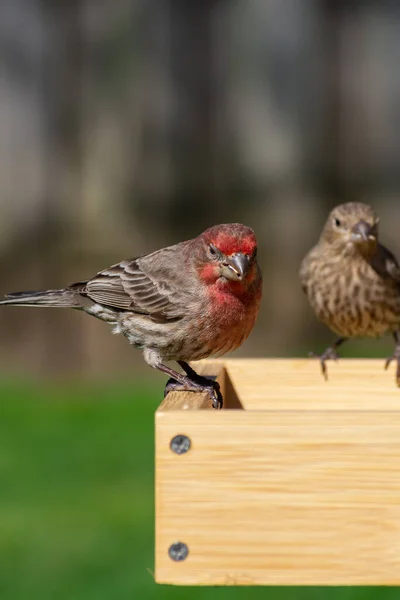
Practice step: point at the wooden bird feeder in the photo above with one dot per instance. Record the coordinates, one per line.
(295, 482)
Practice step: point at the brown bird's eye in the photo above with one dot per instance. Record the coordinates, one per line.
(338, 222)
(212, 250)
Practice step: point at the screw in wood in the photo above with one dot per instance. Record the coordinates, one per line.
(178, 551)
(180, 444)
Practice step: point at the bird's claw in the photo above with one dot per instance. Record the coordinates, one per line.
(214, 392)
(395, 356)
(172, 386)
(329, 354)
(202, 385)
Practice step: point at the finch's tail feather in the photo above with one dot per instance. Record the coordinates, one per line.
(57, 298)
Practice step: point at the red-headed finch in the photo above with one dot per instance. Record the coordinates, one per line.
(353, 282)
(185, 302)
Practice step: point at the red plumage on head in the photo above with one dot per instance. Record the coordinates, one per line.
(232, 238)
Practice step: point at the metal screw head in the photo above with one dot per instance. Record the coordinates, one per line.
(180, 444)
(178, 551)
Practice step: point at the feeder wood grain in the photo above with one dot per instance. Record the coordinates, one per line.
(296, 482)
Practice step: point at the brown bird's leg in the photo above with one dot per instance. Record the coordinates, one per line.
(192, 382)
(329, 354)
(395, 356)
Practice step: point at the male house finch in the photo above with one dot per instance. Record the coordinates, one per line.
(353, 282)
(185, 302)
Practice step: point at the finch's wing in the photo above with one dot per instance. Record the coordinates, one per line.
(305, 268)
(144, 285)
(386, 264)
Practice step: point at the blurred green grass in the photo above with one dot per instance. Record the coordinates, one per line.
(76, 501)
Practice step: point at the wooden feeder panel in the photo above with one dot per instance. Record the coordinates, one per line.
(295, 482)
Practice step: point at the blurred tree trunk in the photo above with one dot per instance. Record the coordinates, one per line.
(194, 134)
(63, 197)
(333, 183)
(196, 85)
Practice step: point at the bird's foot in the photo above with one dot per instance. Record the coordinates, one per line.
(395, 356)
(329, 354)
(201, 384)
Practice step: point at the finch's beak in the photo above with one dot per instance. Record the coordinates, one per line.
(361, 232)
(236, 267)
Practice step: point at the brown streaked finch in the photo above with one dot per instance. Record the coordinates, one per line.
(353, 282)
(186, 302)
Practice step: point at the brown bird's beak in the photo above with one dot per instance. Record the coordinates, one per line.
(362, 232)
(236, 267)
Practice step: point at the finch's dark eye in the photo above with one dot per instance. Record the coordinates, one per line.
(212, 250)
(338, 222)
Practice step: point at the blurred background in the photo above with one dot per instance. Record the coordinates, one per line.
(133, 124)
